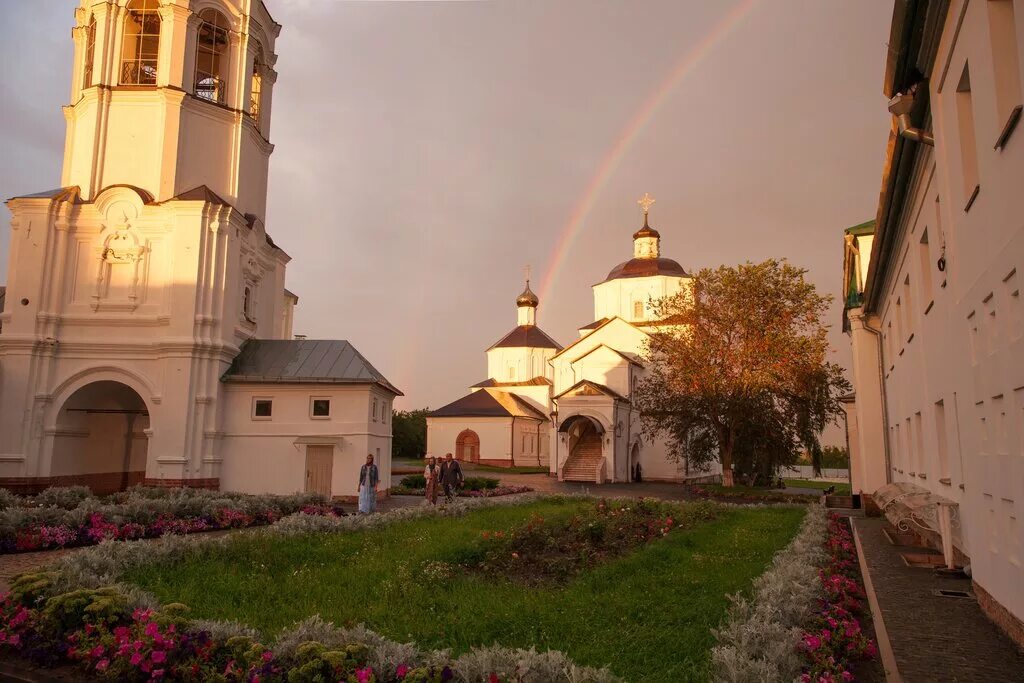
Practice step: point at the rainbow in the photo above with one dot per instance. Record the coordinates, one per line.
(629, 134)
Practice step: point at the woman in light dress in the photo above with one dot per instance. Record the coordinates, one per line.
(432, 473)
(368, 478)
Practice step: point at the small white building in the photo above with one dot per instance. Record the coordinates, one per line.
(504, 420)
(134, 288)
(575, 400)
(932, 288)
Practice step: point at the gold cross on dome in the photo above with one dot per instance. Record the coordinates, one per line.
(526, 274)
(645, 202)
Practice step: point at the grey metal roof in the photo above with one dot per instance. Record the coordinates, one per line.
(320, 361)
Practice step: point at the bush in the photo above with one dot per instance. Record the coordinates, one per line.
(414, 481)
(480, 483)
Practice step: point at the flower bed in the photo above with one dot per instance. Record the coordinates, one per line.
(544, 550)
(71, 516)
(468, 493)
(802, 621)
(79, 613)
(835, 641)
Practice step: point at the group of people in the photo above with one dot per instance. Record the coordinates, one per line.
(444, 476)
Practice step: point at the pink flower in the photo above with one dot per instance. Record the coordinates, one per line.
(363, 675)
(812, 643)
(152, 629)
(102, 664)
(135, 659)
(401, 671)
(159, 656)
(97, 652)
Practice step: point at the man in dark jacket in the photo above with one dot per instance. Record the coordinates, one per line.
(451, 477)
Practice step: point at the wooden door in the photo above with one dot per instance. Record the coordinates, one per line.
(319, 468)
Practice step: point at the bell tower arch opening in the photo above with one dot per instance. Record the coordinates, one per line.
(100, 439)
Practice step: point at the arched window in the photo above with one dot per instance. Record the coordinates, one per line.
(90, 52)
(140, 48)
(256, 89)
(247, 303)
(212, 56)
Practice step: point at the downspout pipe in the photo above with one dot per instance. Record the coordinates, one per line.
(885, 401)
(900, 106)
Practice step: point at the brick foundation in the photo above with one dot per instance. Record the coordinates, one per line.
(1000, 616)
(210, 483)
(100, 483)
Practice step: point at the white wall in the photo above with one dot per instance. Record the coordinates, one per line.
(617, 297)
(268, 456)
(957, 337)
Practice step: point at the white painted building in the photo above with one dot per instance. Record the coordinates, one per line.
(933, 300)
(133, 288)
(585, 422)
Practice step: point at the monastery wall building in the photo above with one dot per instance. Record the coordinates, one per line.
(933, 305)
(575, 402)
(146, 329)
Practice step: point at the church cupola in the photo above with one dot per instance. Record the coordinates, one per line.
(527, 303)
(646, 240)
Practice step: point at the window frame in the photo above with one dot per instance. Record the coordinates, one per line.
(90, 54)
(256, 400)
(219, 60)
(146, 9)
(312, 407)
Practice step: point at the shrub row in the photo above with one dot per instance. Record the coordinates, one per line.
(418, 481)
(70, 516)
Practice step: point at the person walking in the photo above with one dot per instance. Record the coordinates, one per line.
(451, 477)
(432, 473)
(368, 478)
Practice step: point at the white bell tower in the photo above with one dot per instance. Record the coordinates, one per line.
(168, 95)
(132, 287)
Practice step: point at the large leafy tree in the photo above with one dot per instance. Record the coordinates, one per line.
(409, 433)
(741, 370)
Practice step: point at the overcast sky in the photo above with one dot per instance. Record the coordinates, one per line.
(427, 151)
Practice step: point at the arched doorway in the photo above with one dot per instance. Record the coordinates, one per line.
(585, 451)
(467, 446)
(635, 471)
(100, 438)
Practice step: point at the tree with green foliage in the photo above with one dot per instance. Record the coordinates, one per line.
(409, 433)
(740, 371)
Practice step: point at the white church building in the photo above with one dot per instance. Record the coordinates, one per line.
(146, 332)
(569, 408)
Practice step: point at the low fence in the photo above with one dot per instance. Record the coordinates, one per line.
(807, 472)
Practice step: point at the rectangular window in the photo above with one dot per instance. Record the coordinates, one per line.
(908, 308)
(320, 408)
(1013, 323)
(925, 262)
(941, 443)
(922, 466)
(911, 449)
(1006, 63)
(373, 413)
(968, 145)
(511, 374)
(262, 408)
(638, 310)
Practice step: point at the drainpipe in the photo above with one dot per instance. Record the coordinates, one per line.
(512, 451)
(885, 401)
(900, 106)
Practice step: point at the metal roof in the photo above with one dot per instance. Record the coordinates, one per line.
(321, 361)
(489, 403)
(529, 336)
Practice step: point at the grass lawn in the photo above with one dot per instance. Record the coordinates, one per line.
(648, 615)
(842, 488)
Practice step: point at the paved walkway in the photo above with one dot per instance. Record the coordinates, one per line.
(934, 638)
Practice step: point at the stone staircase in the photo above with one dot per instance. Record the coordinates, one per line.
(584, 464)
